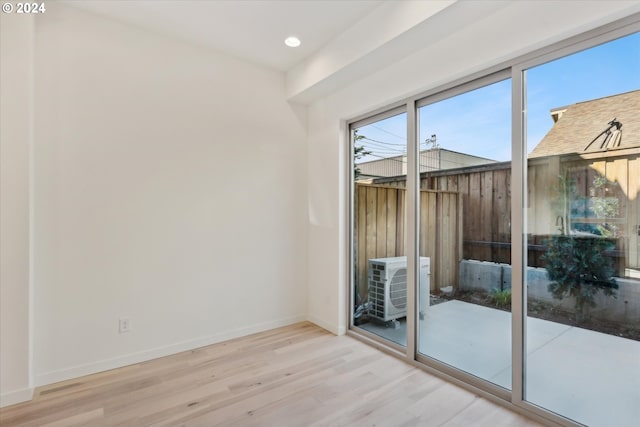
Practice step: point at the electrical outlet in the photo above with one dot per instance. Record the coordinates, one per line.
(124, 324)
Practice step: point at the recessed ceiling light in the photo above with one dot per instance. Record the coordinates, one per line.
(292, 41)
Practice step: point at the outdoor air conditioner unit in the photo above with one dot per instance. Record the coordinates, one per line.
(388, 286)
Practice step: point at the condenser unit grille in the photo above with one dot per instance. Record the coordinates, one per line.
(376, 297)
(388, 286)
(398, 289)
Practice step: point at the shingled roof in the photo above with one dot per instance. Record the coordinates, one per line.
(577, 125)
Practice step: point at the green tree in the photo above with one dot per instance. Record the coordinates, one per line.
(358, 152)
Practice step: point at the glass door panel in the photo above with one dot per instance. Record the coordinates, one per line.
(379, 297)
(464, 294)
(583, 277)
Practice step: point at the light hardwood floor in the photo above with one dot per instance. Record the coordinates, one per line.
(298, 375)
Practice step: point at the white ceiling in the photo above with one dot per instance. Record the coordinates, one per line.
(345, 41)
(252, 30)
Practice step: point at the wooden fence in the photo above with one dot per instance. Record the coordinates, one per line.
(466, 212)
(379, 230)
(485, 193)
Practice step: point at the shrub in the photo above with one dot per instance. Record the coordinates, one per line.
(501, 298)
(577, 267)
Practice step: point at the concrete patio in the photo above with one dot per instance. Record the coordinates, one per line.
(587, 376)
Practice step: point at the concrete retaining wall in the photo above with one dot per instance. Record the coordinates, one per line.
(482, 275)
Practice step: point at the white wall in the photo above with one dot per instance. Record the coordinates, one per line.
(177, 187)
(16, 49)
(169, 187)
(510, 30)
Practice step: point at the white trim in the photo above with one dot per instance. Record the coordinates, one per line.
(145, 355)
(16, 396)
(336, 330)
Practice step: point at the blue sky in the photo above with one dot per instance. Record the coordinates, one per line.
(479, 122)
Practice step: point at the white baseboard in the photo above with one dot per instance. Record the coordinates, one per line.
(142, 356)
(16, 396)
(336, 330)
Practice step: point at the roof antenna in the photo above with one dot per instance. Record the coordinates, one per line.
(607, 132)
(433, 141)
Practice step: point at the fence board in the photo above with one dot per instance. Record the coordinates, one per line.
(452, 183)
(400, 228)
(360, 244)
(502, 216)
(486, 213)
(424, 224)
(633, 219)
(617, 172)
(431, 238)
(392, 207)
(381, 227)
(371, 215)
(447, 240)
(472, 221)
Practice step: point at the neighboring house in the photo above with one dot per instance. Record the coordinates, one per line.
(430, 160)
(594, 144)
(578, 128)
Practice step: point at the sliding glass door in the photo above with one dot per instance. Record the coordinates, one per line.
(465, 230)
(379, 149)
(515, 240)
(582, 270)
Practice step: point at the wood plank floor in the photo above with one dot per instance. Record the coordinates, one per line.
(298, 375)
